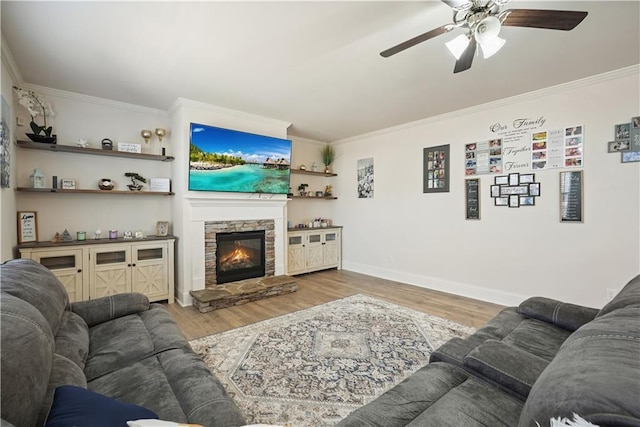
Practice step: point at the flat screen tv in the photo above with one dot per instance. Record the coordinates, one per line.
(230, 160)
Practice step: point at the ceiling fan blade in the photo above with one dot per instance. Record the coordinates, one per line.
(466, 59)
(458, 4)
(549, 19)
(416, 40)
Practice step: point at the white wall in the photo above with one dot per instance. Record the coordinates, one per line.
(80, 116)
(510, 254)
(8, 233)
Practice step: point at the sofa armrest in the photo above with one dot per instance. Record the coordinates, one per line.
(103, 309)
(567, 316)
(510, 367)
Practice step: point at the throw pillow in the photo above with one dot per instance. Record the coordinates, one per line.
(79, 407)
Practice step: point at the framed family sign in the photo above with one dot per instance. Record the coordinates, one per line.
(27, 226)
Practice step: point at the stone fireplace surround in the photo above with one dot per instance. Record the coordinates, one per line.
(212, 228)
(197, 211)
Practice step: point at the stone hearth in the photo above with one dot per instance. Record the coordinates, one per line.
(242, 292)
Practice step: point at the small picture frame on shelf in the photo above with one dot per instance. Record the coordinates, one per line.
(162, 228)
(68, 184)
(27, 226)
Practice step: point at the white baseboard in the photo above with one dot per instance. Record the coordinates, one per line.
(462, 289)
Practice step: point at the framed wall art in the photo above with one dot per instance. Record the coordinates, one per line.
(571, 196)
(436, 169)
(27, 226)
(472, 193)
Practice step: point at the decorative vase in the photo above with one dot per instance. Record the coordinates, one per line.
(42, 138)
(135, 187)
(106, 184)
(327, 169)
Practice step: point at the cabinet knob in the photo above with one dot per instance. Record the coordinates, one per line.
(79, 270)
(128, 265)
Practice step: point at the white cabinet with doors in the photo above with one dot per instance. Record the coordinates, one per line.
(313, 249)
(92, 270)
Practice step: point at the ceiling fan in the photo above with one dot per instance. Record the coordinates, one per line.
(483, 20)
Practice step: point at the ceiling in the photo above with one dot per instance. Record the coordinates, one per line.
(314, 64)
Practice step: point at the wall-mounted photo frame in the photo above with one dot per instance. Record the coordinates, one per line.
(27, 226)
(495, 191)
(571, 196)
(436, 169)
(527, 201)
(616, 146)
(534, 189)
(502, 180)
(514, 201)
(622, 131)
(630, 157)
(514, 179)
(527, 178)
(472, 193)
(68, 184)
(162, 228)
(501, 201)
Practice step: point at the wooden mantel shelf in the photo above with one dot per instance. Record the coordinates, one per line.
(88, 191)
(95, 151)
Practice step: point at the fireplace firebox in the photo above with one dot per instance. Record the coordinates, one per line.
(240, 255)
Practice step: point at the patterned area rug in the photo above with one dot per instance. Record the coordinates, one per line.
(313, 367)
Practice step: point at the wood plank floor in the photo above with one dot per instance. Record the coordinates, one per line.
(324, 286)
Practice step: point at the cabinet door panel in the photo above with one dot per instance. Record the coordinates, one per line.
(110, 271)
(150, 280)
(296, 259)
(67, 266)
(110, 282)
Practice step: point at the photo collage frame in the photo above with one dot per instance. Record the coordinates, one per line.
(515, 190)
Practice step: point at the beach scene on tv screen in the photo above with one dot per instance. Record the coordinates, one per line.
(227, 160)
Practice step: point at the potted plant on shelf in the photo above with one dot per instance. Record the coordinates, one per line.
(135, 177)
(328, 154)
(302, 188)
(36, 105)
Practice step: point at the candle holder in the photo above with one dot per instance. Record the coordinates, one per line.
(146, 134)
(161, 133)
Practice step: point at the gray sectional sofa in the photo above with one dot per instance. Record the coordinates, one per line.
(119, 346)
(530, 364)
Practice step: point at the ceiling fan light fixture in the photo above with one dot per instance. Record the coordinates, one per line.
(492, 46)
(458, 45)
(487, 29)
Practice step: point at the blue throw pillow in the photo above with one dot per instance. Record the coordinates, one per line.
(79, 407)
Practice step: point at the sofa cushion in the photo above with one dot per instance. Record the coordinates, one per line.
(111, 307)
(124, 341)
(438, 395)
(79, 407)
(595, 374)
(63, 372)
(35, 284)
(72, 339)
(629, 296)
(567, 316)
(539, 338)
(26, 362)
(509, 367)
(176, 384)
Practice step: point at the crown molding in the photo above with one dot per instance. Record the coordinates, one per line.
(10, 63)
(306, 140)
(73, 96)
(551, 90)
(189, 103)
